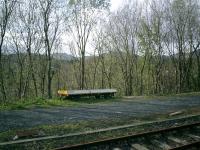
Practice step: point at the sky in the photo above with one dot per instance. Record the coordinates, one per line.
(115, 4)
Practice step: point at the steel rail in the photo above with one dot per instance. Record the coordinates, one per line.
(124, 138)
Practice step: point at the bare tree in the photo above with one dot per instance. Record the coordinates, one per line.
(85, 13)
(50, 29)
(21, 59)
(181, 14)
(26, 42)
(156, 34)
(83, 21)
(6, 9)
(123, 31)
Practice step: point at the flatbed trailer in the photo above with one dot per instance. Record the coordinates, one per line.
(84, 93)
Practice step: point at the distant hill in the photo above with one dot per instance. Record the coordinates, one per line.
(62, 56)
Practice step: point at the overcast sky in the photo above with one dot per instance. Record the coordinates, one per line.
(115, 4)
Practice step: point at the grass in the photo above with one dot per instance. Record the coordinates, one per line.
(68, 128)
(162, 97)
(30, 103)
(188, 94)
(39, 102)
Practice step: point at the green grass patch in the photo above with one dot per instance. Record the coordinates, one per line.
(162, 97)
(188, 94)
(46, 103)
(30, 103)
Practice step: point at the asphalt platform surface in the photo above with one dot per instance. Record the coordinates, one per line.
(20, 119)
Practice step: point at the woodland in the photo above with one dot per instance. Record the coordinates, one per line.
(143, 48)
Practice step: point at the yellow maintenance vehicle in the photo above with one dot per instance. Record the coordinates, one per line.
(83, 93)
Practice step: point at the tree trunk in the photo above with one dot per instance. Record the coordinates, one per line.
(32, 71)
(82, 70)
(3, 91)
(49, 77)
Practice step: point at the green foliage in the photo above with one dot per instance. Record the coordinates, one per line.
(138, 53)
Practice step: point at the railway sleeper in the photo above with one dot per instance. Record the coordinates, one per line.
(195, 137)
(177, 140)
(190, 146)
(139, 147)
(162, 145)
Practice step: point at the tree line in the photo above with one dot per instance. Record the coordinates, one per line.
(143, 48)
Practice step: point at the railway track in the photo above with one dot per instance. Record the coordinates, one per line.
(181, 137)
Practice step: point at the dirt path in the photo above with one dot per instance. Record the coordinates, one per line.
(20, 119)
